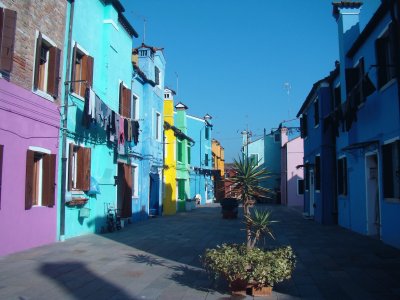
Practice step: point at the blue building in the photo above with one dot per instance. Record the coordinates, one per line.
(319, 166)
(201, 183)
(148, 99)
(368, 147)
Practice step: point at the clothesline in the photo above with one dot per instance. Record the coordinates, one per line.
(118, 127)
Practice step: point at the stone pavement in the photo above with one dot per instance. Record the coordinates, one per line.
(159, 259)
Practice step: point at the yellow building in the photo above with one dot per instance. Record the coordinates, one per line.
(218, 160)
(169, 198)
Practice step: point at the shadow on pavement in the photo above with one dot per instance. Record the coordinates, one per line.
(80, 282)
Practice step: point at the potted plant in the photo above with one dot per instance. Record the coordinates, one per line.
(246, 266)
(251, 269)
(229, 208)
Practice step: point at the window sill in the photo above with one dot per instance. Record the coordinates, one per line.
(43, 95)
(79, 97)
(38, 206)
(387, 85)
(392, 200)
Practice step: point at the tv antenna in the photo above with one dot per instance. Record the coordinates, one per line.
(288, 87)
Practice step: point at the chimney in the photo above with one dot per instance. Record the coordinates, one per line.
(347, 15)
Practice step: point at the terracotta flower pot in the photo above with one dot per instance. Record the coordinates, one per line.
(261, 291)
(238, 287)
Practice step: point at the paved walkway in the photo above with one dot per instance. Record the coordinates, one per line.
(159, 259)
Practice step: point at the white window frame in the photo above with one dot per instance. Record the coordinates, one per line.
(135, 105)
(41, 151)
(84, 52)
(135, 177)
(157, 124)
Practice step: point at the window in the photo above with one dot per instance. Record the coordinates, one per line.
(1, 168)
(157, 76)
(8, 20)
(358, 85)
(135, 183)
(180, 151)
(206, 159)
(316, 113)
(40, 179)
(317, 173)
(303, 126)
(391, 170)
(79, 168)
(189, 154)
(142, 52)
(207, 133)
(337, 97)
(81, 71)
(300, 186)
(307, 178)
(47, 66)
(385, 54)
(124, 101)
(158, 126)
(342, 176)
(277, 137)
(253, 159)
(135, 107)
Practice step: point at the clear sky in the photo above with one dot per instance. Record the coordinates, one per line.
(233, 57)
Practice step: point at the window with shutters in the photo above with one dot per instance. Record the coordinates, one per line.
(303, 126)
(385, 57)
(8, 21)
(125, 95)
(79, 168)
(391, 170)
(342, 176)
(81, 71)
(157, 125)
(180, 151)
(40, 179)
(317, 173)
(253, 159)
(47, 66)
(157, 76)
(316, 112)
(300, 186)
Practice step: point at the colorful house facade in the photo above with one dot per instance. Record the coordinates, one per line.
(148, 83)
(292, 179)
(367, 148)
(201, 184)
(98, 115)
(29, 121)
(218, 163)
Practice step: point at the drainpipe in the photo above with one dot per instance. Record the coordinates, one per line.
(64, 127)
(162, 173)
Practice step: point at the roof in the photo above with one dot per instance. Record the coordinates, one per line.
(344, 4)
(373, 22)
(121, 18)
(310, 97)
(171, 90)
(180, 105)
(143, 45)
(178, 133)
(142, 75)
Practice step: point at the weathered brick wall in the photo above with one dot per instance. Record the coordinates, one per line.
(46, 16)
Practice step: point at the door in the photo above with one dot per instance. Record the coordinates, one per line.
(154, 203)
(124, 190)
(372, 194)
(312, 191)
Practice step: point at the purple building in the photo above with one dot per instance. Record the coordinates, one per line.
(30, 69)
(292, 180)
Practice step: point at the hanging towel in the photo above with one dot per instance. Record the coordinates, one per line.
(85, 115)
(126, 130)
(121, 134)
(135, 131)
(92, 104)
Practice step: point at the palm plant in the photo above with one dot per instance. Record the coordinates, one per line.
(248, 175)
(260, 224)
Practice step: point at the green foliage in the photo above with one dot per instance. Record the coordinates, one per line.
(259, 224)
(256, 266)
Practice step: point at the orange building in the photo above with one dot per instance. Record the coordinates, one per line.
(218, 162)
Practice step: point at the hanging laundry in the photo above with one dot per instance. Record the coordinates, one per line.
(135, 131)
(86, 118)
(121, 134)
(92, 104)
(126, 130)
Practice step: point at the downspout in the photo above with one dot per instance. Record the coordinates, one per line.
(64, 127)
(162, 174)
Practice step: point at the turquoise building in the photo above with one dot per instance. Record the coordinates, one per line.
(96, 169)
(201, 183)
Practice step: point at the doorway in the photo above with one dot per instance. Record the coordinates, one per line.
(372, 194)
(124, 190)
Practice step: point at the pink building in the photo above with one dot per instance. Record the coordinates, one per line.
(292, 183)
(30, 71)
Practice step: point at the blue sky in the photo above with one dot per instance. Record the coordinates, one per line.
(233, 57)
